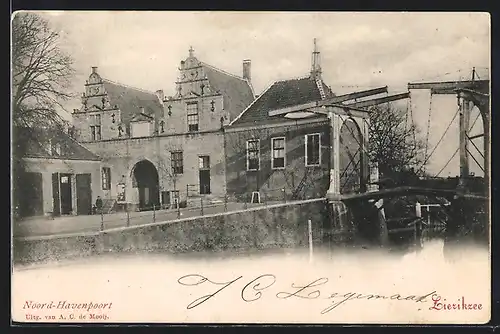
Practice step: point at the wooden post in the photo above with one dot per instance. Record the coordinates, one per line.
(309, 229)
(128, 215)
(154, 213)
(464, 141)
(486, 144)
(178, 208)
(284, 195)
(102, 221)
(225, 203)
(201, 201)
(416, 225)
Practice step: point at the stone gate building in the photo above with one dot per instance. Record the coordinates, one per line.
(159, 150)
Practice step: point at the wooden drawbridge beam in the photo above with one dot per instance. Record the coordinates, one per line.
(380, 100)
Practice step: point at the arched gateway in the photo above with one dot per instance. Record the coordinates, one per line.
(145, 178)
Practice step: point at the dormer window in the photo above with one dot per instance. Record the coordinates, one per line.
(53, 148)
(57, 149)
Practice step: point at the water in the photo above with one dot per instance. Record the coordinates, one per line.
(147, 287)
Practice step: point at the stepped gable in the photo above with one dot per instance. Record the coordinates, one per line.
(236, 91)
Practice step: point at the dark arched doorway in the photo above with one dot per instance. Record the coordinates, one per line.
(351, 157)
(145, 178)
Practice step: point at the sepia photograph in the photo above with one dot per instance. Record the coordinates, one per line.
(250, 167)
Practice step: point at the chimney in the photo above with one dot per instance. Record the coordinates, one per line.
(247, 64)
(94, 69)
(160, 95)
(142, 110)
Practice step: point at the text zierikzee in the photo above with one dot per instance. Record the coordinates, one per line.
(255, 288)
(460, 304)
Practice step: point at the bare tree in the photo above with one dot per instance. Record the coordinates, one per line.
(41, 74)
(166, 172)
(167, 175)
(395, 143)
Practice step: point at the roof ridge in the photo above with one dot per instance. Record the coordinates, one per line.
(251, 104)
(128, 86)
(224, 72)
(294, 78)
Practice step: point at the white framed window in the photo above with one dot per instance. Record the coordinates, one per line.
(278, 160)
(313, 149)
(95, 127)
(106, 178)
(177, 162)
(253, 154)
(204, 162)
(192, 117)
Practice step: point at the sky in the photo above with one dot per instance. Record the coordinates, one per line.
(358, 51)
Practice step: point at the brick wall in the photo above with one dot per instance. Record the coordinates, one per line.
(297, 179)
(279, 226)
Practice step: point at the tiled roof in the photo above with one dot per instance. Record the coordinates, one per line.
(130, 100)
(237, 92)
(39, 144)
(282, 94)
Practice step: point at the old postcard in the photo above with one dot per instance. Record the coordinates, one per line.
(250, 167)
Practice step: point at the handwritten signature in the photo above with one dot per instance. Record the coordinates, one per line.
(253, 291)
